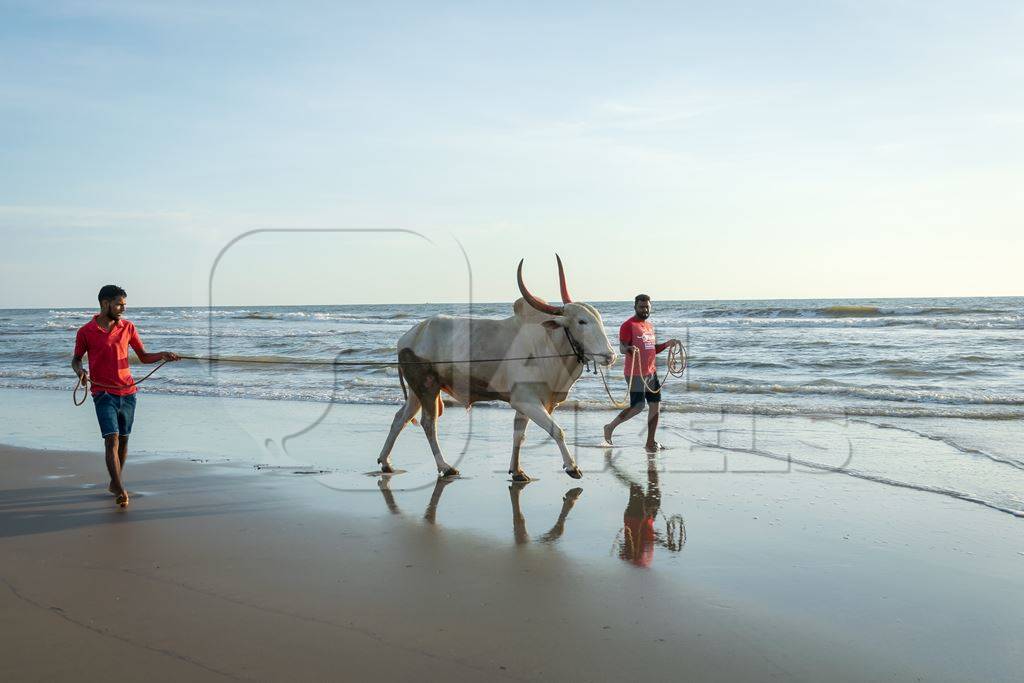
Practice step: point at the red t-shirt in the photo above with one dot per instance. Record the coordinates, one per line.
(640, 333)
(108, 354)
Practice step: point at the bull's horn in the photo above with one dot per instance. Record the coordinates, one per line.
(539, 304)
(566, 299)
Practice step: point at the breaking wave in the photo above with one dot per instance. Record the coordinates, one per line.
(844, 311)
(256, 315)
(851, 311)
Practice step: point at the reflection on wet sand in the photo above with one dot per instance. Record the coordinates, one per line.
(519, 521)
(637, 538)
(384, 484)
(644, 526)
(515, 489)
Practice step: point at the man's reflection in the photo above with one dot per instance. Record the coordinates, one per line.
(638, 536)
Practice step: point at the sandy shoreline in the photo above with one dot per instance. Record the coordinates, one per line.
(228, 572)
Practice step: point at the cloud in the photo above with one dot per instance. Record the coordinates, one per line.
(77, 217)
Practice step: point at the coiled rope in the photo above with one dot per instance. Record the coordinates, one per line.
(675, 365)
(84, 382)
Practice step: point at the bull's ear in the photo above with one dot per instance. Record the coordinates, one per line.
(555, 324)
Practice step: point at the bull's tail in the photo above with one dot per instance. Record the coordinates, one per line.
(405, 392)
(401, 380)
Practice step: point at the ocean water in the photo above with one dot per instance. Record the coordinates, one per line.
(885, 358)
(918, 394)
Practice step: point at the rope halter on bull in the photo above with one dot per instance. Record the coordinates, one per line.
(544, 307)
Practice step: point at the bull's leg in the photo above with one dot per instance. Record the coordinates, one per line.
(536, 412)
(429, 422)
(402, 417)
(518, 436)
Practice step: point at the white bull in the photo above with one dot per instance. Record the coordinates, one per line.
(527, 360)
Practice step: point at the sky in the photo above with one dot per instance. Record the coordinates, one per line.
(691, 150)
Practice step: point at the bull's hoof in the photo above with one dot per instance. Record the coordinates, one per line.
(572, 494)
(449, 472)
(574, 472)
(386, 468)
(520, 476)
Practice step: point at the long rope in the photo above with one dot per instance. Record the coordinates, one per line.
(675, 366)
(306, 361)
(84, 381)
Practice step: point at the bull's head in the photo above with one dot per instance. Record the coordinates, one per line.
(582, 321)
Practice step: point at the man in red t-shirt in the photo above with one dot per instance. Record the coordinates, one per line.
(639, 347)
(106, 339)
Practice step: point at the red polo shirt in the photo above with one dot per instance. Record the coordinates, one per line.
(108, 354)
(640, 333)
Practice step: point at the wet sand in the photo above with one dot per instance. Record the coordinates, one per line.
(226, 571)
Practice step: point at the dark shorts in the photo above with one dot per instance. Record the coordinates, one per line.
(115, 413)
(638, 393)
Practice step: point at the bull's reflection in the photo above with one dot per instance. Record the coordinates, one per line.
(636, 540)
(519, 521)
(515, 489)
(384, 484)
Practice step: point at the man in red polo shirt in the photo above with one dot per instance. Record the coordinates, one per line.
(639, 347)
(106, 339)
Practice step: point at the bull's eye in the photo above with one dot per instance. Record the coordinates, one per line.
(583, 322)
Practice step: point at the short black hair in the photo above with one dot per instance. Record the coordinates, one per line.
(109, 292)
(639, 298)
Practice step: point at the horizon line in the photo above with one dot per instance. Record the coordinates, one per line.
(509, 302)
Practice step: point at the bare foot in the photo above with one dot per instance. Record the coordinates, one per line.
(654, 447)
(113, 491)
(608, 434)
(122, 499)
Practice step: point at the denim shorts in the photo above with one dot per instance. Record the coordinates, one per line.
(115, 413)
(638, 392)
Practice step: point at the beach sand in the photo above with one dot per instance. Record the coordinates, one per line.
(220, 569)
